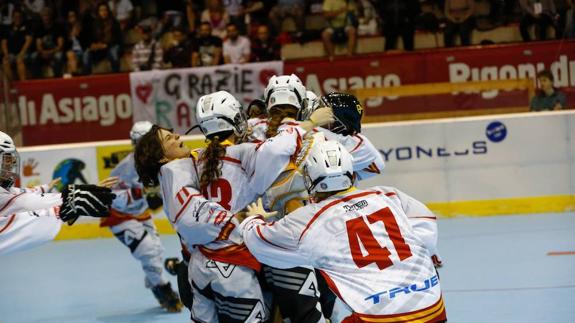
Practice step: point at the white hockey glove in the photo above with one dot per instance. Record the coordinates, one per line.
(257, 208)
(85, 200)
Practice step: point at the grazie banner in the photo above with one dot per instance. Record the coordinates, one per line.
(81, 109)
(447, 65)
(168, 98)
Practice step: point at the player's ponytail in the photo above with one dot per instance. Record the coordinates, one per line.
(211, 160)
(276, 117)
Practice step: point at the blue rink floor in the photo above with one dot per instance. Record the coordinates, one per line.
(496, 269)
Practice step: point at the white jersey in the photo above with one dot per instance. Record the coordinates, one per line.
(258, 128)
(129, 191)
(364, 246)
(29, 217)
(18, 200)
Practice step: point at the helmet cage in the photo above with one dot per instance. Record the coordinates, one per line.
(9, 168)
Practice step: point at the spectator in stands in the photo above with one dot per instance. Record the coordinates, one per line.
(367, 19)
(460, 20)
(236, 11)
(237, 49)
(294, 9)
(208, 48)
(257, 14)
(264, 47)
(106, 40)
(547, 98)
(147, 54)
(179, 52)
(539, 13)
(6, 10)
(342, 21)
(15, 45)
(215, 14)
(398, 20)
(33, 8)
(123, 10)
(562, 7)
(49, 45)
(74, 43)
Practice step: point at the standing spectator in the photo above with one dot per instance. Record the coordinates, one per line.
(459, 14)
(215, 14)
(15, 45)
(399, 18)
(33, 8)
(264, 47)
(340, 16)
(179, 52)
(367, 19)
(106, 39)
(562, 7)
(74, 43)
(6, 10)
(547, 98)
(147, 54)
(536, 12)
(286, 9)
(49, 45)
(236, 48)
(208, 48)
(122, 10)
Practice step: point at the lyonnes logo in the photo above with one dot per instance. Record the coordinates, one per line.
(495, 132)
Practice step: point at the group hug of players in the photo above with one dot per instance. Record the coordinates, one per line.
(271, 223)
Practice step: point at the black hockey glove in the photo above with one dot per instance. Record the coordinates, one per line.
(85, 200)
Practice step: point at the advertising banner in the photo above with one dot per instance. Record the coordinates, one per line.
(168, 97)
(447, 65)
(72, 165)
(481, 158)
(81, 109)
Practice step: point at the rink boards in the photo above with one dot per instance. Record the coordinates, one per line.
(479, 166)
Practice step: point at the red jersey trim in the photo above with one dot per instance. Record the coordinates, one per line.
(235, 254)
(9, 223)
(358, 144)
(332, 203)
(185, 206)
(266, 240)
(10, 201)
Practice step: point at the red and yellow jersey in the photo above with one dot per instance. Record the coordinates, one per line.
(363, 244)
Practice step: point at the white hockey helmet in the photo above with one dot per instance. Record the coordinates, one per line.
(139, 129)
(220, 112)
(328, 167)
(9, 161)
(285, 82)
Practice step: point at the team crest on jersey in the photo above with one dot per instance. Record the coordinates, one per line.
(224, 269)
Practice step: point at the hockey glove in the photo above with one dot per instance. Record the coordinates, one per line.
(85, 200)
(257, 208)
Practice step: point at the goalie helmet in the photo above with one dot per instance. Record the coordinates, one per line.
(10, 161)
(139, 129)
(347, 111)
(220, 114)
(328, 168)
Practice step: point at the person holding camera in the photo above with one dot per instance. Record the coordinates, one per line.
(340, 14)
(147, 53)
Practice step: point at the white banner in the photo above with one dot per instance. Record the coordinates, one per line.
(168, 97)
(481, 158)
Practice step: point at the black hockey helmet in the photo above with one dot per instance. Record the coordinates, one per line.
(347, 111)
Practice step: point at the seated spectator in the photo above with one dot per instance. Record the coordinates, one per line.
(459, 14)
(536, 12)
(208, 48)
(547, 98)
(74, 43)
(15, 45)
(105, 40)
(6, 10)
(264, 47)
(294, 9)
(398, 20)
(179, 52)
(147, 53)
(342, 29)
(33, 8)
(49, 45)
(237, 49)
(215, 14)
(122, 10)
